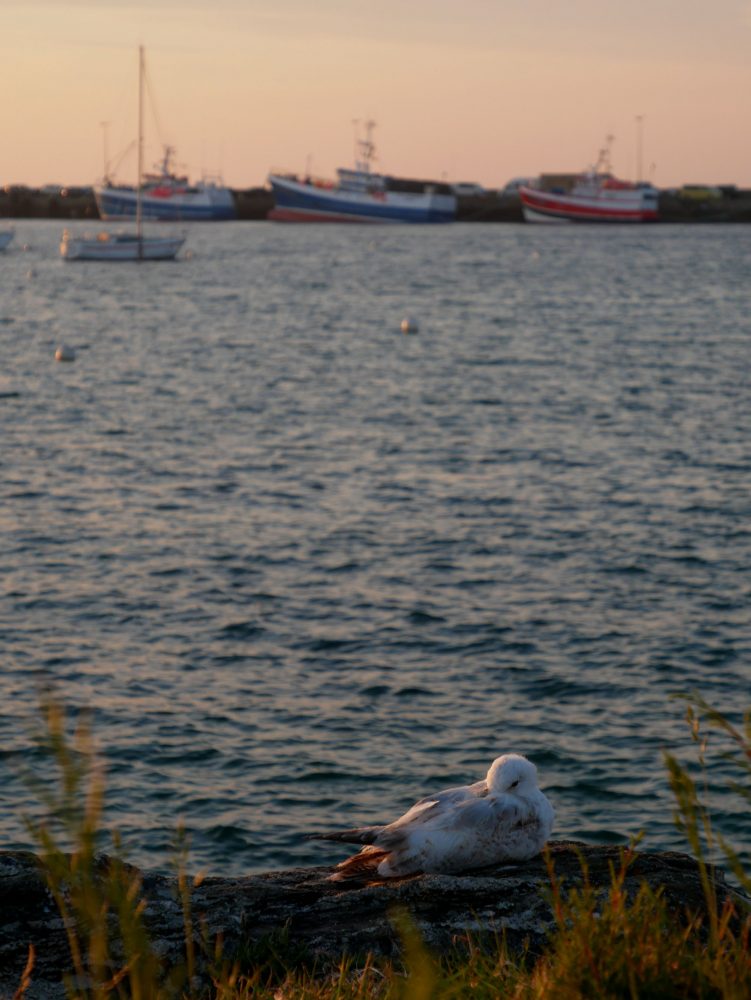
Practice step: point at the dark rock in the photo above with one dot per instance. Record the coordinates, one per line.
(300, 915)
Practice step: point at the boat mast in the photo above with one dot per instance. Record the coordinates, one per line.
(603, 165)
(106, 177)
(639, 136)
(139, 207)
(364, 148)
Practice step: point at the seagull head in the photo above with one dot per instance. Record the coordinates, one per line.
(512, 773)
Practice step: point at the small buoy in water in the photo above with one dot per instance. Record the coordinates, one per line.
(31, 273)
(409, 325)
(65, 353)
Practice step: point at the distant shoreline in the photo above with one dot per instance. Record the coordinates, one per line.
(254, 204)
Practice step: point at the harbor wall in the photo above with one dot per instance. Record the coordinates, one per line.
(254, 204)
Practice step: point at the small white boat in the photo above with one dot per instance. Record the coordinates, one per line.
(6, 235)
(121, 245)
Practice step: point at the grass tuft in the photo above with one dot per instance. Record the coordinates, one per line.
(617, 943)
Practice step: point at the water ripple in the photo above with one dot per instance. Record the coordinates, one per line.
(305, 569)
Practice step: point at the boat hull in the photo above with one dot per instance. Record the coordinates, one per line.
(616, 205)
(119, 247)
(295, 201)
(6, 235)
(210, 204)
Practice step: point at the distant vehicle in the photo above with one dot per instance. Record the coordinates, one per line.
(468, 190)
(699, 192)
(513, 185)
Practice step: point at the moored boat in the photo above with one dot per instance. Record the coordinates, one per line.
(360, 195)
(6, 235)
(119, 246)
(595, 196)
(109, 246)
(168, 197)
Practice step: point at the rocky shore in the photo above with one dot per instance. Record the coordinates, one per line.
(299, 915)
(254, 204)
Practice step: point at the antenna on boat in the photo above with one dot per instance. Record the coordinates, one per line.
(365, 152)
(639, 131)
(603, 158)
(355, 123)
(367, 146)
(105, 126)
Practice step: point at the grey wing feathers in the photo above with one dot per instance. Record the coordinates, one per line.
(392, 835)
(483, 812)
(426, 809)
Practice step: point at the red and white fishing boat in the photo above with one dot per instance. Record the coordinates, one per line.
(596, 196)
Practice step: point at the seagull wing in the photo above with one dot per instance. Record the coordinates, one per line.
(429, 811)
(457, 833)
(494, 815)
(397, 839)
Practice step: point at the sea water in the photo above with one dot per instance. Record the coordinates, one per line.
(304, 568)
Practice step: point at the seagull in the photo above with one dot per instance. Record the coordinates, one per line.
(504, 817)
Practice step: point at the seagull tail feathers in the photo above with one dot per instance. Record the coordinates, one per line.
(359, 835)
(360, 866)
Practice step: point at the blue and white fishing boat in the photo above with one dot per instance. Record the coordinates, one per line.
(167, 197)
(360, 195)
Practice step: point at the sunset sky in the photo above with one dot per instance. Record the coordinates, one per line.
(480, 90)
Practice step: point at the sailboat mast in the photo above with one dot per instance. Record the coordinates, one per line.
(139, 207)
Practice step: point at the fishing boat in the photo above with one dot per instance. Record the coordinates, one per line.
(167, 196)
(360, 195)
(6, 235)
(122, 245)
(595, 196)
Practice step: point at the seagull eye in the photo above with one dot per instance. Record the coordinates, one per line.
(514, 783)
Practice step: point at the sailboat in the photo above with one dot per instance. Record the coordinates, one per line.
(122, 245)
